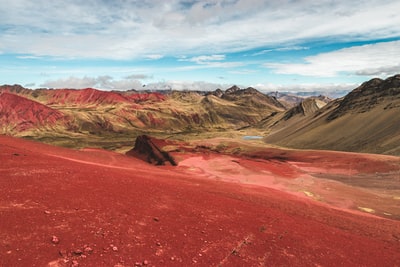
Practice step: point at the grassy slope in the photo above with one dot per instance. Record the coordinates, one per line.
(366, 120)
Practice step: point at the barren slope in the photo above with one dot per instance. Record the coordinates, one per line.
(366, 120)
(60, 207)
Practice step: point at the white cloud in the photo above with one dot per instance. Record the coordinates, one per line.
(187, 85)
(28, 57)
(131, 29)
(306, 87)
(99, 82)
(280, 49)
(138, 77)
(208, 61)
(154, 56)
(381, 59)
(205, 59)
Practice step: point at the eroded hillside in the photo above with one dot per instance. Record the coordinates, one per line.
(365, 120)
(91, 115)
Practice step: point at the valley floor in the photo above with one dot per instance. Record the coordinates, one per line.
(260, 207)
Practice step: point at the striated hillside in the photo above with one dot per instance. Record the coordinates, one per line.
(19, 114)
(293, 118)
(92, 113)
(365, 120)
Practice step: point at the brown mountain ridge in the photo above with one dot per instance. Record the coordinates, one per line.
(365, 120)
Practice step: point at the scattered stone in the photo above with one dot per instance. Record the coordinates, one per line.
(47, 212)
(145, 262)
(138, 264)
(75, 263)
(63, 253)
(9, 252)
(55, 240)
(78, 252)
(88, 250)
(156, 219)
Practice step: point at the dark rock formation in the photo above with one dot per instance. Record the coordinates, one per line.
(147, 150)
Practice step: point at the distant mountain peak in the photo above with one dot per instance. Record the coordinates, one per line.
(232, 89)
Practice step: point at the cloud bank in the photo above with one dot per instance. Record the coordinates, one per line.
(103, 82)
(153, 29)
(381, 59)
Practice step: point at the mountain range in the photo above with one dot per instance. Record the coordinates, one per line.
(365, 120)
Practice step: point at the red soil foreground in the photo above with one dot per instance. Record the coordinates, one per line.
(61, 207)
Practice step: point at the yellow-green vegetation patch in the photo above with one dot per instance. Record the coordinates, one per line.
(309, 194)
(170, 148)
(369, 210)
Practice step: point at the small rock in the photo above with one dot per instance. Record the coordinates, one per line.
(138, 264)
(75, 263)
(145, 262)
(114, 248)
(88, 250)
(55, 240)
(78, 252)
(47, 212)
(63, 253)
(158, 244)
(156, 219)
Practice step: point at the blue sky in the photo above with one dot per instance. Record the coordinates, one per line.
(201, 45)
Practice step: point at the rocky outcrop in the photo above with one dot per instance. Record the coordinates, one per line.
(305, 108)
(146, 149)
(368, 95)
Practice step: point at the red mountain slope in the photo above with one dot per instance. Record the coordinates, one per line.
(91, 96)
(19, 114)
(84, 96)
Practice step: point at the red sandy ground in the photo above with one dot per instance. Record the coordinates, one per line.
(61, 207)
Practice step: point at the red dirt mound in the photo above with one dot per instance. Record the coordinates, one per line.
(19, 114)
(60, 207)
